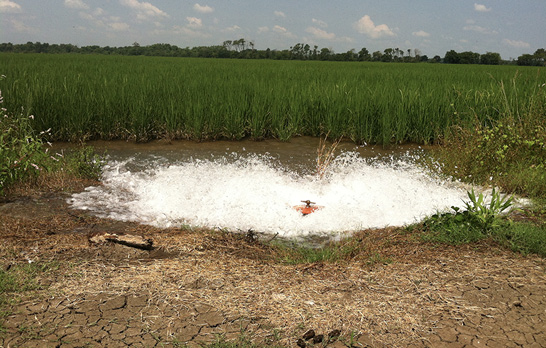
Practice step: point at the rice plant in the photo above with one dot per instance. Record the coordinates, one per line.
(85, 97)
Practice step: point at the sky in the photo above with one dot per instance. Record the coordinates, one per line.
(433, 27)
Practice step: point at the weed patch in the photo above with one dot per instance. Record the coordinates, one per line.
(25, 156)
(525, 238)
(17, 280)
(507, 150)
(294, 254)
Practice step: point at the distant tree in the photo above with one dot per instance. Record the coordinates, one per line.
(398, 54)
(417, 54)
(388, 55)
(469, 58)
(239, 45)
(452, 57)
(228, 44)
(436, 59)
(68, 48)
(350, 55)
(377, 56)
(490, 58)
(325, 53)
(540, 56)
(527, 60)
(364, 55)
(6, 47)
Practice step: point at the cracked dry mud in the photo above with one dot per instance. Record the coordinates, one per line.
(198, 286)
(116, 321)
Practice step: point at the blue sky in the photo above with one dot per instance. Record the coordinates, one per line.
(508, 27)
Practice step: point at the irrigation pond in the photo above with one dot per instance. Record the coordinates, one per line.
(249, 185)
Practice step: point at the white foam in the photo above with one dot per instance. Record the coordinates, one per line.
(253, 193)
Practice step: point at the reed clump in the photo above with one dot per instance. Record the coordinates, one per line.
(325, 155)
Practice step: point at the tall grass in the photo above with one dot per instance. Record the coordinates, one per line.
(508, 152)
(141, 98)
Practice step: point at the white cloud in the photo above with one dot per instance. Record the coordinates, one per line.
(78, 4)
(144, 10)
(516, 44)
(179, 30)
(481, 8)
(283, 31)
(21, 27)
(203, 9)
(320, 34)
(320, 23)
(7, 6)
(119, 26)
(263, 30)
(479, 29)
(90, 17)
(194, 22)
(279, 14)
(232, 28)
(366, 26)
(420, 33)
(100, 19)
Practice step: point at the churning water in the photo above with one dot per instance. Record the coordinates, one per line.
(242, 191)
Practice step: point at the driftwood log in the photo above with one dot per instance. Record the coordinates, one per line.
(124, 239)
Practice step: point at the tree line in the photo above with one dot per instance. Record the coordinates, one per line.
(244, 49)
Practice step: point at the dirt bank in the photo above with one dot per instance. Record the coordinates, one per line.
(196, 286)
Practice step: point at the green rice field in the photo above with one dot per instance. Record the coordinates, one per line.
(84, 97)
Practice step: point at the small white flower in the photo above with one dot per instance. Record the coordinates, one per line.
(31, 117)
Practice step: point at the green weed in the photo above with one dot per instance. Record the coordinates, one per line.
(485, 215)
(21, 278)
(478, 221)
(17, 280)
(25, 154)
(333, 252)
(482, 220)
(22, 154)
(525, 238)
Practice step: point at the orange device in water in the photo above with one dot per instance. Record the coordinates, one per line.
(307, 208)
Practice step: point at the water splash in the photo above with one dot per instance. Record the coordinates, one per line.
(253, 192)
